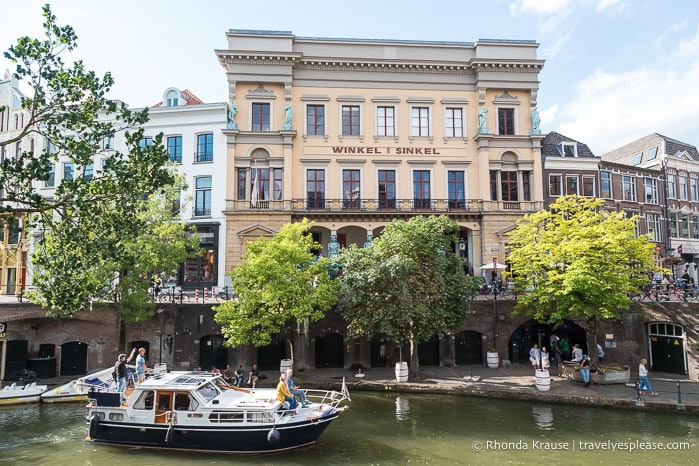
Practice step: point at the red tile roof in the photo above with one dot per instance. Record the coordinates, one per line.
(190, 99)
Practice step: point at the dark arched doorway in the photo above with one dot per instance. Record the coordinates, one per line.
(16, 361)
(531, 332)
(330, 351)
(269, 357)
(212, 352)
(468, 347)
(428, 351)
(667, 348)
(74, 358)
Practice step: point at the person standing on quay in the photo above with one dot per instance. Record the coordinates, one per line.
(585, 369)
(643, 378)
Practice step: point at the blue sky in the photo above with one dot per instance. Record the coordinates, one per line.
(615, 70)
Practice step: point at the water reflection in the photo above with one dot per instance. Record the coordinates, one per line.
(543, 416)
(402, 408)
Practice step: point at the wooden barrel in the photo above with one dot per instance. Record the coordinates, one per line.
(493, 360)
(286, 364)
(402, 371)
(543, 380)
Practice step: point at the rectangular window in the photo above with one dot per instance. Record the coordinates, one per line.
(242, 183)
(315, 189)
(260, 117)
(259, 188)
(51, 180)
(509, 186)
(683, 188)
(628, 188)
(653, 227)
(278, 184)
(526, 185)
(572, 185)
(421, 189)
(638, 159)
(3, 150)
(174, 148)
(202, 196)
(588, 186)
(350, 120)
(351, 189)
(695, 227)
(145, 142)
(205, 147)
(506, 121)
(568, 149)
(68, 171)
(88, 172)
(493, 185)
(385, 121)
(18, 149)
(693, 193)
(454, 122)
(387, 189)
(671, 187)
(652, 153)
(685, 225)
(108, 142)
(420, 122)
(315, 120)
(650, 187)
(605, 185)
(456, 189)
(673, 224)
(555, 185)
(50, 147)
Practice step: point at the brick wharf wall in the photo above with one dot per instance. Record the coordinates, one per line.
(191, 324)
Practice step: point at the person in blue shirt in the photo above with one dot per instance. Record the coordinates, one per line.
(141, 367)
(295, 389)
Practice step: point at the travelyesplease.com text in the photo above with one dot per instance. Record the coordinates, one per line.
(578, 445)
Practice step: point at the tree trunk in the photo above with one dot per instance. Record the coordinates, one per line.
(414, 360)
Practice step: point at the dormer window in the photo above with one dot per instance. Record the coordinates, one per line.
(568, 149)
(172, 98)
(652, 153)
(638, 159)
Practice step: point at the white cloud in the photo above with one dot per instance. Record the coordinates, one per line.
(612, 109)
(618, 5)
(548, 116)
(538, 7)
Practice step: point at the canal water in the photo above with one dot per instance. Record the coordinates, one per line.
(394, 429)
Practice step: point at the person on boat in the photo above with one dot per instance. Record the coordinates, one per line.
(253, 376)
(215, 370)
(28, 377)
(122, 372)
(239, 375)
(228, 374)
(141, 367)
(283, 393)
(295, 389)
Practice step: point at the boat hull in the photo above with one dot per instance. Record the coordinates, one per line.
(13, 400)
(21, 395)
(244, 439)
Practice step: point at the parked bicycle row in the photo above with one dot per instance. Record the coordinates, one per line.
(682, 290)
(176, 294)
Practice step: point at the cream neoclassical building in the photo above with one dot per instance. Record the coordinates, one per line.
(353, 133)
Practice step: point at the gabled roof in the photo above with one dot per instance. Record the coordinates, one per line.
(673, 146)
(189, 97)
(549, 146)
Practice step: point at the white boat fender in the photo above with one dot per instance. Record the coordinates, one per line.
(273, 436)
(94, 425)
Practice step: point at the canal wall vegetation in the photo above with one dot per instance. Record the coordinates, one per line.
(186, 337)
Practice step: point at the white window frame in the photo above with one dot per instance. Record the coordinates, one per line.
(344, 104)
(693, 190)
(652, 185)
(395, 120)
(611, 185)
(562, 148)
(653, 227)
(682, 184)
(577, 184)
(671, 187)
(461, 109)
(560, 179)
(629, 180)
(594, 185)
(430, 123)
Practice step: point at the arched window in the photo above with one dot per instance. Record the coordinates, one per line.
(172, 98)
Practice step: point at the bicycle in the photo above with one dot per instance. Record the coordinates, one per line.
(497, 291)
(226, 294)
(173, 294)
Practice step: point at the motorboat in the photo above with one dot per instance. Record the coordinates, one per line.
(76, 390)
(199, 411)
(15, 394)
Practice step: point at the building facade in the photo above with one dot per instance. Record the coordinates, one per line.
(355, 133)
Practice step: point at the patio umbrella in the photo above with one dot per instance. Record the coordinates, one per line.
(491, 266)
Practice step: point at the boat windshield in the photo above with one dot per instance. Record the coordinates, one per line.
(208, 391)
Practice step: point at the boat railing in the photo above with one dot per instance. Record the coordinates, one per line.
(331, 398)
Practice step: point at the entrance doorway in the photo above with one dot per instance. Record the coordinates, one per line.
(330, 351)
(16, 361)
(74, 358)
(531, 332)
(468, 347)
(667, 352)
(428, 351)
(212, 352)
(269, 357)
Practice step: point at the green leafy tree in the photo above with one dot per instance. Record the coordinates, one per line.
(89, 222)
(279, 286)
(408, 286)
(578, 260)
